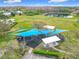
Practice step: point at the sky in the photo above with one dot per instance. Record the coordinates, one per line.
(39, 2)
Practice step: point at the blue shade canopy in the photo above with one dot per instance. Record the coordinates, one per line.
(38, 32)
(57, 31)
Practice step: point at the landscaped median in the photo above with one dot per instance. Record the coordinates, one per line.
(48, 53)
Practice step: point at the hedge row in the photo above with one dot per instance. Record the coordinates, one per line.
(49, 53)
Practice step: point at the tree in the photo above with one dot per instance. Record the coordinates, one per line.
(12, 14)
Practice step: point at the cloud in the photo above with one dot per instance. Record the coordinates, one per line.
(12, 1)
(57, 0)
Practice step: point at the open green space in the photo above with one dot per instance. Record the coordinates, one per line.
(70, 24)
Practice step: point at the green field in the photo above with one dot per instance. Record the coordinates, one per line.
(71, 43)
(62, 23)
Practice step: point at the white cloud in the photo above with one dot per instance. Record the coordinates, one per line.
(57, 0)
(12, 1)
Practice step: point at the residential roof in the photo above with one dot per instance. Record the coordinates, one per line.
(50, 39)
(30, 41)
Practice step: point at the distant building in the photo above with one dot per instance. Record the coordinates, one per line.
(18, 12)
(57, 14)
(7, 13)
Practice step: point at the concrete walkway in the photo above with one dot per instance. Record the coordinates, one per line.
(34, 56)
(30, 55)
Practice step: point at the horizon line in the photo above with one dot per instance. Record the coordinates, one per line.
(40, 6)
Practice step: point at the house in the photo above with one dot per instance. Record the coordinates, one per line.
(7, 13)
(18, 12)
(34, 37)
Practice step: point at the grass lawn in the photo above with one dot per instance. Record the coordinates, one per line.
(71, 37)
(62, 23)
